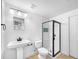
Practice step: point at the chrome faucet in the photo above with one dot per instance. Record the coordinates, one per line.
(19, 39)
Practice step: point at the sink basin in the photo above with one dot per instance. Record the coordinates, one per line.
(17, 44)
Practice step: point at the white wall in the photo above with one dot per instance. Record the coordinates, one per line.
(74, 36)
(64, 20)
(33, 32)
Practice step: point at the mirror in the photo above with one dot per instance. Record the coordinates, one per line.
(18, 23)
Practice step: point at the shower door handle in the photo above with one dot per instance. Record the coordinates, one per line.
(54, 36)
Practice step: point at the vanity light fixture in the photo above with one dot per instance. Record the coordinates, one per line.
(18, 12)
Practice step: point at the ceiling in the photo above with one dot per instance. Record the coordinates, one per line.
(45, 7)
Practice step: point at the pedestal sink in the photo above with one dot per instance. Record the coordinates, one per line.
(19, 47)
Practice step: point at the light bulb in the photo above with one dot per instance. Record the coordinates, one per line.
(25, 15)
(12, 11)
(19, 13)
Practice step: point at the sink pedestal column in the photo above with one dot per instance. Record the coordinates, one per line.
(20, 53)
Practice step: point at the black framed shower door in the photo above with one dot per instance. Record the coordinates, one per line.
(56, 36)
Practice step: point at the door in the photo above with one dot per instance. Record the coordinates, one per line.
(56, 37)
(74, 36)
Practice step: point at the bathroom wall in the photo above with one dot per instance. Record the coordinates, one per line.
(73, 36)
(32, 31)
(64, 20)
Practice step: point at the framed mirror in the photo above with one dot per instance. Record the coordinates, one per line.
(18, 23)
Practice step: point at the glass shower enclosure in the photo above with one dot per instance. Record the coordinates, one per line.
(51, 37)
